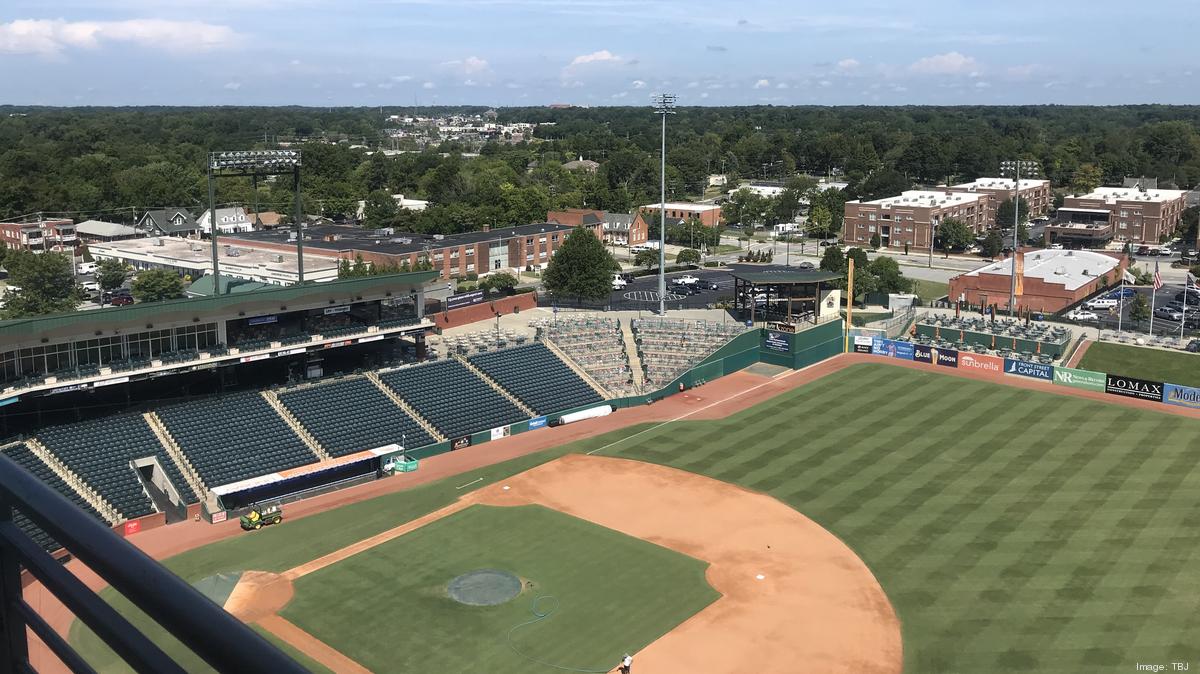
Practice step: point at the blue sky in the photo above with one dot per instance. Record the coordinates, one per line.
(597, 52)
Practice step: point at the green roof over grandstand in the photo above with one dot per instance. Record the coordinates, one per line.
(252, 302)
(203, 287)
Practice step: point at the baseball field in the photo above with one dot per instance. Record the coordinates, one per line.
(1008, 529)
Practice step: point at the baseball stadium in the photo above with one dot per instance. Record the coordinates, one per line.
(357, 476)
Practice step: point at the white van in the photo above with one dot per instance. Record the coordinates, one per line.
(618, 281)
(87, 267)
(1098, 303)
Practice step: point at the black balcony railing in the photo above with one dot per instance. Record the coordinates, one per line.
(221, 640)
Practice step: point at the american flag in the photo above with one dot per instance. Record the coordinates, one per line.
(1157, 277)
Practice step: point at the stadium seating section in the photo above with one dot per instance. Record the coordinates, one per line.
(27, 460)
(100, 450)
(353, 415)
(452, 398)
(238, 436)
(537, 378)
(234, 437)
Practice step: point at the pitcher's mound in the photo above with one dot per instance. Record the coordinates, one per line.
(484, 587)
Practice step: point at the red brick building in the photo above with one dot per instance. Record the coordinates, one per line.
(709, 215)
(45, 235)
(1126, 214)
(619, 229)
(1035, 193)
(1050, 280)
(455, 255)
(912, 217)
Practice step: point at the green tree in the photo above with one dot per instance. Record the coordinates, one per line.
(833, 261)
(820, 222)
(876, 241)
(1139, 308)
(1189, 230)
(646, 258)
(860, 258)
(993, 243)
(46, 284)
(380, 210)
(888, 277)
(1086, 179)
(110, 274)
(955, 234)
(581, 268)
(156, 285)
(688, 256)
(344, 270)
(499, 282)
(1004, 212)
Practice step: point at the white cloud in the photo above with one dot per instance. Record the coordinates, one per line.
(233, 86)
(622, 94)
(950, 63)
(359, 85)
(401, 78)
(825, 83)
(848, 64)
(469, 65)
(704, 95)
(512, 85)
(428, 85)
(762, 84)
(294, 62)
(385, 85)
(639, 84)
(982, 85)
(50, 37)
(602, 56)
(692, 85)
(469, 82)
(1023, 71)
(781, 85)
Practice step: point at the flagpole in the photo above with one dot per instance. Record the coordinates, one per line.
(1153, 297)
(1121, 303)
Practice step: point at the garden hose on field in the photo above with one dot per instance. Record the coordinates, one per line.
(539, 615)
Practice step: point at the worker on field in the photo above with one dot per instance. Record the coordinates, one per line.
(626, 666)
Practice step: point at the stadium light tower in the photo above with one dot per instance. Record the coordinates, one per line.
(1014, 169)
(664, 104)
(253, 163)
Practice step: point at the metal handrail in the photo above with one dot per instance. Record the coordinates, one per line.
(220, 639)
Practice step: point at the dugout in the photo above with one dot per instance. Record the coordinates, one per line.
(784, 294)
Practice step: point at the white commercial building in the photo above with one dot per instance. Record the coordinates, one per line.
(194, 258)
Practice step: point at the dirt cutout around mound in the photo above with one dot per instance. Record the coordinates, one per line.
(794, 597)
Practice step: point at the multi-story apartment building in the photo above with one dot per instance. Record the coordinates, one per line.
(454, 255)
(1125, 214)
(1035, 193)
(912, 217)
(709, 215)
(41, 236)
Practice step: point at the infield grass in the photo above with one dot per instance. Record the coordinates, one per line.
(387, 607)
(1012, 530)
(1177, 367)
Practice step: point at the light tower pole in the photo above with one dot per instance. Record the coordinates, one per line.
(1014, 168)
(664, 104)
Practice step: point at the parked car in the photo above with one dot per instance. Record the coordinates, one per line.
(1142, 250)
(87, 268)
(1121, 292)
(807, 265)
(1082, 315)
(1168, 313)
(686, 279)
(618, 282)
(1192, 297)
(121, 300)
(1193, 346)
(1101, 303)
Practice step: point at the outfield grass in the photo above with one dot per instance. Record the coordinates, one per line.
(387, 607)
(1177, 367)
(1012, 530)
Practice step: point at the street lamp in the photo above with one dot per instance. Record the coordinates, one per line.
(664, 104)
(1014, 168)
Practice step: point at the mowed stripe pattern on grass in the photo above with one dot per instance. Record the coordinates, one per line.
(1012, 530)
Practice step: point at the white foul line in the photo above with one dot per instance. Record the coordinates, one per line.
(478, 479)
(718, 402)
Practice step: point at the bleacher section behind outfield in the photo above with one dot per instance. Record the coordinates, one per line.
(353, 415)
(21, 453)
(537, 378)
(100, 451)
(452, 398)
(234, 437)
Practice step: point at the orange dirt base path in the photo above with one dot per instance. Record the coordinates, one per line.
(816, 608)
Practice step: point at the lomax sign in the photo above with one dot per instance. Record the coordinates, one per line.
(1184, 396)
(1134, 388)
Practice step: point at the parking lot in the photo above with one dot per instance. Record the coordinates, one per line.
(1111, 319)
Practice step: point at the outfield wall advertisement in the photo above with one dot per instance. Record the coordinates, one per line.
(1084, 379)
(1131, 387)
(980, 363)
(1028, 369)
(892, 348)
(1183, 396)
